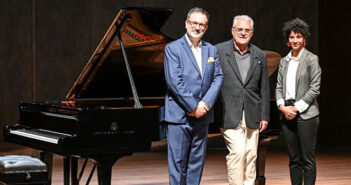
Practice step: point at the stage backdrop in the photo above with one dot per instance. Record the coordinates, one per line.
(44, 45)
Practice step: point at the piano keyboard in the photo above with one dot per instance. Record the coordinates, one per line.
(41, 134)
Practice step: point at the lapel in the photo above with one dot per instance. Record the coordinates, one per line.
(232, 61)
(204, 58)
(254, 59)
(301, 65)
(285, 72)
(190, 54)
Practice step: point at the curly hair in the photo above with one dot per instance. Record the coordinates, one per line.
(298, 26)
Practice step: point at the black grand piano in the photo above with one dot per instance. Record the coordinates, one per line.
(115, 107)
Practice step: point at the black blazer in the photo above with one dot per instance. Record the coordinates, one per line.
(252, 96)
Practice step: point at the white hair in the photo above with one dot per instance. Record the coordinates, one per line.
(235, 20)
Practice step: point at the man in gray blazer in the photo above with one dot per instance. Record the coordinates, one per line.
(244, 99)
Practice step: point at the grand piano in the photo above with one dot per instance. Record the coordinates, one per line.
(115, 107)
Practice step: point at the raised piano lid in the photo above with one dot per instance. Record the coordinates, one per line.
(105, 75)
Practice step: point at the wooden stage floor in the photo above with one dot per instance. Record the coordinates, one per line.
(150, 168)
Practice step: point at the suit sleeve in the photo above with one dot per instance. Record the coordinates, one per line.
(212, 93)
(279, 87)
(175, 81)
(315, 81)
(264, 92)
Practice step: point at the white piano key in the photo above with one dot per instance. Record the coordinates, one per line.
(23, 133)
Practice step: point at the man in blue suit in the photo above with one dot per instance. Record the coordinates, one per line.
(193, 77)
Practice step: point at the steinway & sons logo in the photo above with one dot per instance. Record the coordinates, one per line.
(114, 126)
(114, 130)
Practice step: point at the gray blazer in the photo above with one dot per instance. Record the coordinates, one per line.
(308, 82)
(236, 95)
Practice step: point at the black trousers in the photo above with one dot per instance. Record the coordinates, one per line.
(300, 138)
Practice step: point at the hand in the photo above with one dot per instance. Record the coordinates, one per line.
(198, 112)
(263, 125)
(292, 112)
(201, 109)
(293, 108)
(192, 113)
(289, 112)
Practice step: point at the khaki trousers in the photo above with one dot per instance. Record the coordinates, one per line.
(241, 161)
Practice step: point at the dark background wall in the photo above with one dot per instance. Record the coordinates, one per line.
(44, 45)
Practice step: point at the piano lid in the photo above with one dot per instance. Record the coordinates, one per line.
(105, 75)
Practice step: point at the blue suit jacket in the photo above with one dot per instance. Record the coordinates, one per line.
(185, 85)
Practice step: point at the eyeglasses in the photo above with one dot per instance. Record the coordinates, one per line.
(195, 24)
(242, 30)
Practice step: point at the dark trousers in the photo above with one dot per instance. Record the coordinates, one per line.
(186, 152)
(300, 138)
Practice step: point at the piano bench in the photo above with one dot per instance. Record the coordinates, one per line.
(21, 169)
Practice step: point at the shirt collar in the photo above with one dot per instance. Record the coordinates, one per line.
(289, 56)
(191, 44)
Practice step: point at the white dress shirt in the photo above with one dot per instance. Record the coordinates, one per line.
(198, 58)
(290, 93)
(196, 52)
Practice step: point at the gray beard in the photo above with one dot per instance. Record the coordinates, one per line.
(196, 36)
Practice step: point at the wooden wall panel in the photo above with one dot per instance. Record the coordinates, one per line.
(62, 32)
(221, 18)
(334, 56)
(308, 11)
(15, 58)
(269, 17)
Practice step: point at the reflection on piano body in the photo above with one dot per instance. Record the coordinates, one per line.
(103, 117)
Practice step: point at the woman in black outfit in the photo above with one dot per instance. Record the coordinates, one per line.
(298, 84)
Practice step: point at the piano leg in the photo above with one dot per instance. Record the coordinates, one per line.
(104, 164)
(66, 169)
(261, 160)
(74, 171)
(261, 165)
(104, 174)
(47, 158)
